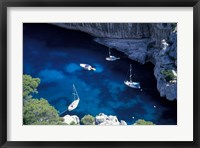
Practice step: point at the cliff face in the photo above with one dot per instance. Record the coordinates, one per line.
(156, 31)
(112, 30)
(142, 42)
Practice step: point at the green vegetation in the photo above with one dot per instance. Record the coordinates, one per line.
(88, 120)
(40, 112)
(143, 122)
(169, 75)
(174, 27)
(37, 111)
(72, 123)
(29, 85)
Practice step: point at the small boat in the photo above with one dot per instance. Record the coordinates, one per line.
(130, 83)
(87, 67)
(111, 57)
(75, 103)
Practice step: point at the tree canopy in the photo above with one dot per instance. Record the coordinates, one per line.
(40, 112)
(29, 85)
(37, 111)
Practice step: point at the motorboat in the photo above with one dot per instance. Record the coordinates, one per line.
(87, 67)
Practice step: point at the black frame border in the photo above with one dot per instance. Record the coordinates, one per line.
(98, 3)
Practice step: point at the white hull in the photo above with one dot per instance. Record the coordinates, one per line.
(112, 58)
(132, 84)
(73, 105)
(87, 67)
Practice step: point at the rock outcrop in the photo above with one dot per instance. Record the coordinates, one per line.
(71, 120)
(142, 42)
(103, 119)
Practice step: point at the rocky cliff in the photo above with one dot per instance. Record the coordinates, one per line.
(156, 31)
(142, 42)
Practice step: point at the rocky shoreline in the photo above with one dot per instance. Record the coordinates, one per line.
(100, 119)
(141, 42)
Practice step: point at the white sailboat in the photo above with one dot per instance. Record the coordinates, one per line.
(111, 57)
(130, 83)
(75, 103)
(87, 67)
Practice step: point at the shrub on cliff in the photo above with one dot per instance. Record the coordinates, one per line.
(169, 75)
(88, 120)
(174, 27)
(143, 122)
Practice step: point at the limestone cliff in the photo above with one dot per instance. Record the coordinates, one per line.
(112, 30)
(156, 31)
(142, 42)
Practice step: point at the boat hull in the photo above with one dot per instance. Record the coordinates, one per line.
(87, 67)
(133, 84)
(73, 105)
(112, 58)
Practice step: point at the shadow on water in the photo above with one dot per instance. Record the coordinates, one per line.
(53, 54)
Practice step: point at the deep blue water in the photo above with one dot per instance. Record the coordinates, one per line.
(53, 54)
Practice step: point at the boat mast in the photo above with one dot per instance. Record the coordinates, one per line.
(109, 52)
(130, 73)
(75, 93)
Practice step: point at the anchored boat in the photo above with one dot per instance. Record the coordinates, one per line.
(111, 57)
(87, 67)
(75, 103)
(130, 83)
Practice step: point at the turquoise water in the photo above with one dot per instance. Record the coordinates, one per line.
(53, 54)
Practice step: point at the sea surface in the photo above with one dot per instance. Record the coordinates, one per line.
(53, 54)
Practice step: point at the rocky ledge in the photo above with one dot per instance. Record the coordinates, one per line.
(142, 42)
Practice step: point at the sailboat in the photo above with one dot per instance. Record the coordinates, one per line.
(111, 57)
(75, 103)
(130, 83)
